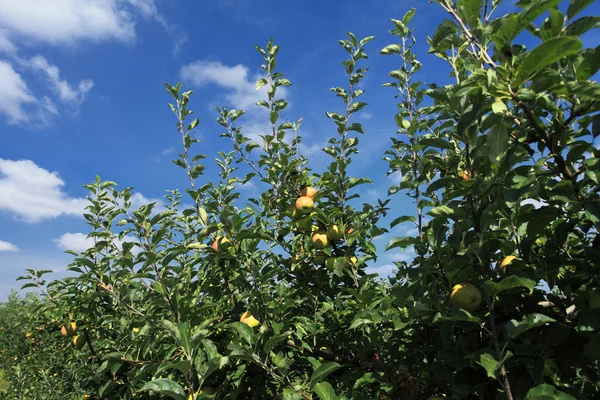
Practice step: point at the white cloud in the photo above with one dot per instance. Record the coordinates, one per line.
(14, 94)
(80, 242)
(65, 91)
(69, 21)
(74, 241)
(383, 270)
(168, 150)
(33, 193)
(25, 23)
(242, 88)
(6, 246)
(6, 45)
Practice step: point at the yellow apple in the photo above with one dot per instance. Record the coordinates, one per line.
(539, 241)
(68, 330)
(305, 205)
(308, 192)
(465, 296)
(594, 300)
(79, 341)
(249, 320)
(320, 258)
(136, 330)
(504, 263)
(221, 243)
(320, 240)
(334, 232)
(465, 175)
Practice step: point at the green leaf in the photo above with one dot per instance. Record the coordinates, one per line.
(165, 387)
(391, 49)
(325, 391)
(402, 219)
(576, 6)
(545, 54)
(470, 10)
(441, 211)
(486, 359)
(582, 25)
(172, 328)
(272, 342)
(497, 140)
(508, 283)
(244, 331)
(514, 328)
(322, 372)
(547, 392)
(402, 242)
(589, 66)
(456, 315)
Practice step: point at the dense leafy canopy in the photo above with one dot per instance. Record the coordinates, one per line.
(209, 298)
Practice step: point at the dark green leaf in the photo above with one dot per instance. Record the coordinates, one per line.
(508, 283)
(165, 387)
(514, 328)
(320, 373)
(547, 392)
(576, 6)
(545, 54)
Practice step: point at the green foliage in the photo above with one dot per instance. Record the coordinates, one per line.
(170, 309)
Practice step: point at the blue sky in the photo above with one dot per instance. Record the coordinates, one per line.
(81, 94)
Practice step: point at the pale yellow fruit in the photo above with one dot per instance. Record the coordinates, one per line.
(504, 263)
(68, 330)
(79, 341)
(465, 296)
(249, 320)
(305, 205)
(221, 243)
(309, 192)
(334, 232)
(320, 240)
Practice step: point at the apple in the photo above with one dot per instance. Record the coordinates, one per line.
(329, 263)
(504, 263)
(28, 334)
(594, 300)
(349, 230)
(79, 341)
(68, 330)
(222, 241)
(539, 241)
(334, 232)
(249, 320)
(466, 174)
(305, 205)
(296, 214)
(320, 240)
(465, 296)
(320, 258)
(308, 192)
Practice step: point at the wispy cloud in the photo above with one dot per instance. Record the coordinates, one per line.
(6, 246)
(34, 193)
